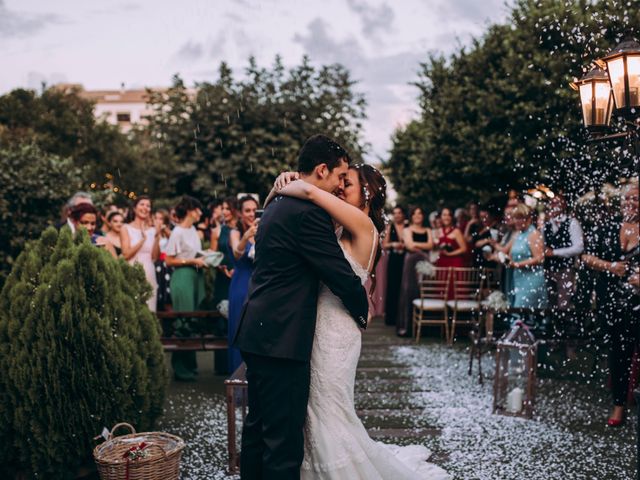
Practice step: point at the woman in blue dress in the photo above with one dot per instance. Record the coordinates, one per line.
(527, 261)
(242, 246)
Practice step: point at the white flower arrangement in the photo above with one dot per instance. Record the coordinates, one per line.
(426, 268)
(223, 308)
(497, 301)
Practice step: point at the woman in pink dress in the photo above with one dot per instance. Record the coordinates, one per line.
(140, 241)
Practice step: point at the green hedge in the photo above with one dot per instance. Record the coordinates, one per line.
(79, 350)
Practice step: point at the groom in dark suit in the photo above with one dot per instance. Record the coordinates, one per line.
(296, 249)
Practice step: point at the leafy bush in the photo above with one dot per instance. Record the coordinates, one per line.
(34, 186)
(79, 350)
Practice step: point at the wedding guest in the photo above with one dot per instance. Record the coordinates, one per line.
(161, 219)
(450, 242)
(482, 238)
(461, 218)
(393, 243)
(75, 200)
(85, 216)
(225, 222)
(563, 239)
(163, 272)
(526, 252)
(615, 253)
(115, 221)
(220, 243)
(104, 222)
(591, 212)
(506, 230)
(242, 247)
(187, 280)
(216, 217)
(204, 227)
(450, 246)
(473, 209)
(377, 286)
(473, 225)
(434, 220)
(140, 241)
(418, 241)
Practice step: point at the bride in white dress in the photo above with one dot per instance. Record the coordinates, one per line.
(337, 446)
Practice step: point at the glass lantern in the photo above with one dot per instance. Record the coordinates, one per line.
(515, 379)
(623, 68)
(596, 99)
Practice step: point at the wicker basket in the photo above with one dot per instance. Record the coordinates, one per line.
(162, 461)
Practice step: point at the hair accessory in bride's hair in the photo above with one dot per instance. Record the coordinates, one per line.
(367, 195)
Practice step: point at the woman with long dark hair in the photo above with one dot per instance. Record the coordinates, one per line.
(393, 243)
(450, 242)
(85, 216)
(615, 253)
(220, 237)
(336, 443)
(140, 240)
(242, 251)
(115, 221)
(418, 241)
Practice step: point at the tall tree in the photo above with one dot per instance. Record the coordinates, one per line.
(236, 135)
(499, 113)
(61, 122)
(34, 186)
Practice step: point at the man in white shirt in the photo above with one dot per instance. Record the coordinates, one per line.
(564, 242)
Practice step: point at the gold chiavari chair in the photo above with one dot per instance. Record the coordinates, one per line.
(431, 307)
(467, 287)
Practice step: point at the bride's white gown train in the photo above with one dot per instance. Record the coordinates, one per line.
(337, 446)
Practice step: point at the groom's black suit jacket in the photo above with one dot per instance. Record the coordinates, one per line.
(296, 249)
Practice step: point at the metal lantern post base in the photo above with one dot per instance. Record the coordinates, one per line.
(636, 393)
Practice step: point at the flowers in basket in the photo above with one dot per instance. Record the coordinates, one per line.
(425, 268)
(136, 452)
(496, 301)
(223, 308)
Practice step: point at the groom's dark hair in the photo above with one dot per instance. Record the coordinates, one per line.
(321, 149)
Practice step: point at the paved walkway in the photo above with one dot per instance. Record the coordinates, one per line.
(388, 399)
(408, 393)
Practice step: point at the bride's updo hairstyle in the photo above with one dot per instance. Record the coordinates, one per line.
(374, 193)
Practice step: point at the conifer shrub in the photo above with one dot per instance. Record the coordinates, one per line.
(79, 350)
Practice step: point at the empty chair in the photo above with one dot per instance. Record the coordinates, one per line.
(431, 308)
(467, 289)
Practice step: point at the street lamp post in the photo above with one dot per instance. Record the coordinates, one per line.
(596, 99)
(622, 69)
(637, 395)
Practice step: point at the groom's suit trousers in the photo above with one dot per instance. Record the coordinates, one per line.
(272, 436)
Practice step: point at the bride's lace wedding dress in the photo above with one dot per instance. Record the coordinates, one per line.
(337, 446)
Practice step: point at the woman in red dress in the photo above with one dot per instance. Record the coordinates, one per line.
(450, 244)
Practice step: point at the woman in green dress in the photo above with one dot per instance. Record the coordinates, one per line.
(187, 280)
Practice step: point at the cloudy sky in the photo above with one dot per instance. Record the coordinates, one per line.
(144, 42)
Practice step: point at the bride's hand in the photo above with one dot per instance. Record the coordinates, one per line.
(285, 179)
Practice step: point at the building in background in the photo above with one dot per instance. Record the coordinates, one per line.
(124, 108)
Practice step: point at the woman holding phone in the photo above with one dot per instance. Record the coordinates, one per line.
(242, 245)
